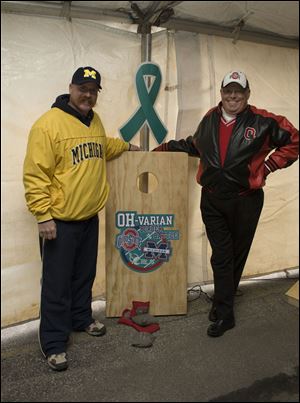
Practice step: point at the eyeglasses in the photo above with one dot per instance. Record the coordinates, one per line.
(228, 91)
(85, 90)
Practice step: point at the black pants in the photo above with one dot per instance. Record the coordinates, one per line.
(69, 270)
(230, 227)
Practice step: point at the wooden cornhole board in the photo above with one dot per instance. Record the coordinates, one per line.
(145, 260)
(293, 294)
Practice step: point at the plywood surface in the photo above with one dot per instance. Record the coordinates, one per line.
(293, 294)
(166, 286)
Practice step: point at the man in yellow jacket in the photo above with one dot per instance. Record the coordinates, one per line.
(65, 188)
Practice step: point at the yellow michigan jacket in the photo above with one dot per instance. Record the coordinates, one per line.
(65, 166)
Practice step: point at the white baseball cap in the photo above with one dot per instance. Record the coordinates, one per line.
(235, 76)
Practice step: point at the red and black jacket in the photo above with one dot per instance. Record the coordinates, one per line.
(255, 134)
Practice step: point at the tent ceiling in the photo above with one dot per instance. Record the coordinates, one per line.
(274, 22)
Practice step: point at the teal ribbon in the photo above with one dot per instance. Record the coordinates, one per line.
(146, 112)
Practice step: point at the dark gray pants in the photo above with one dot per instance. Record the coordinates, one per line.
(69, 270)
(230, 227)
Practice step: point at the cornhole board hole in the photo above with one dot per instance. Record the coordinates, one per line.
(146, 232)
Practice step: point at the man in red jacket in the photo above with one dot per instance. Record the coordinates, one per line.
(233, 141)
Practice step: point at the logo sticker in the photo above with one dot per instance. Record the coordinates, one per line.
(143, 241)
(235, 75)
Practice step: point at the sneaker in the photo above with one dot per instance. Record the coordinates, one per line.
(96, 329)
(58, 362)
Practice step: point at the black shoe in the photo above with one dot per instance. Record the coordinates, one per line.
(219, 327)
(212, 316)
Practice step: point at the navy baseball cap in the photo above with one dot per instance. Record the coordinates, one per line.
(86, 75)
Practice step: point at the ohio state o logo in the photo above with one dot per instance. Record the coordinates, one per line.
(250, 133)
(235, 75)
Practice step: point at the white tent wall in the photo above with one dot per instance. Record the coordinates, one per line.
(202, 61)
(40, 54)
